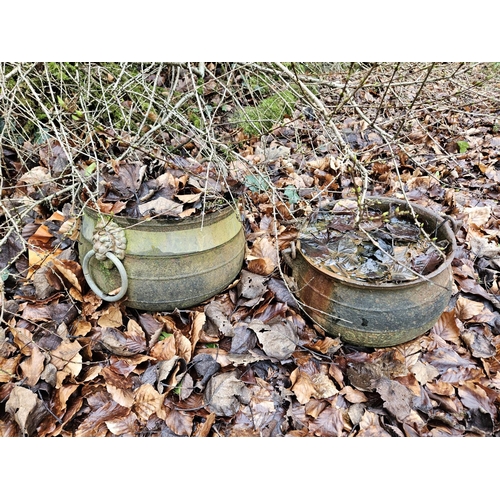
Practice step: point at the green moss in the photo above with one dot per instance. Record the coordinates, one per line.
(259, 119)
(62, 71)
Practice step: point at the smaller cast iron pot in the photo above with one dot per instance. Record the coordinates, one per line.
(377, 314)
(166, 264)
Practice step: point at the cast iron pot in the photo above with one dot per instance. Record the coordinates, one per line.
(166, 264)
(377, 314)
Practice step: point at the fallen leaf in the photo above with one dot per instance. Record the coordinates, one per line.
(424, 372)
(353, 395)
(444, 358)
(224, 394)
(478, 216)
(330, 423)
(369, 426)
(180, 422)
(111, 317)
(398, 401)
(467, 309)
(250, 288)
(26, 409)
(32, 367)
(204, 428)
(103, 409)
(122, 343)
(474, 396)
(480, 346)
(148, 401)
(126, 426)
(446, 327)
(217, 320)
(278, 340)
(164, 349)
(71, 271)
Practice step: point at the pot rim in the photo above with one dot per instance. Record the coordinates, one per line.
(420, 210)
(189, 222)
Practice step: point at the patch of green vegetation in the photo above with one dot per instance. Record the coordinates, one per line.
(463, 146)
(292, 194)
(255, 183)
(260, 119)
(194, 117)
(62, 71)
(164, 335)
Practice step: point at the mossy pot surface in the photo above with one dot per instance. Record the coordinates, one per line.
(169, 263)
(377, 314)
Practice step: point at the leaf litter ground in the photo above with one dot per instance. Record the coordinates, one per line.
(249, 362)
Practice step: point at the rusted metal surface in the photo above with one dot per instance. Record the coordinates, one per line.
(171, 263)
(377, 314)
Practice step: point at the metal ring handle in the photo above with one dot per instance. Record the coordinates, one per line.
(123, 275)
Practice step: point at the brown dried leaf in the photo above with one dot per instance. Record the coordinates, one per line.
(370, 426)
(441, 388)
(330, 423)
(217, 321)
(26, 409)
(467, 309)
(71, 271)
(125, 426)
(196, 329)
(250, 288)
(398, 401)
(148, 401)
(474, 396)
(111, 317)
(263, 247)
(180, 422)
(103, 408)
(424, 372)
(32, 367)
(164, 350)
(279, 340)
(183, 346)
(314, 407)
(188, 198)
(203, 430)
(80, 327)
(309, 382)
(353, 395)
(446, 327)
(8, 368)
(444, 358)
(263, 266)
(478, 343)
(327, 345)
(224, 394)
(124, 397)
(478, 216)
(161, 206)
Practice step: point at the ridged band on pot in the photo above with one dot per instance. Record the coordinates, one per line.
(377, 314)
(170, 263)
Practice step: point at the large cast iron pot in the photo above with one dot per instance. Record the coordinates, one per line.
(377, 314)
(164, 264)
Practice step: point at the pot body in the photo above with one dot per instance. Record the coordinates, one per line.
(169, 264)
(377, 314)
